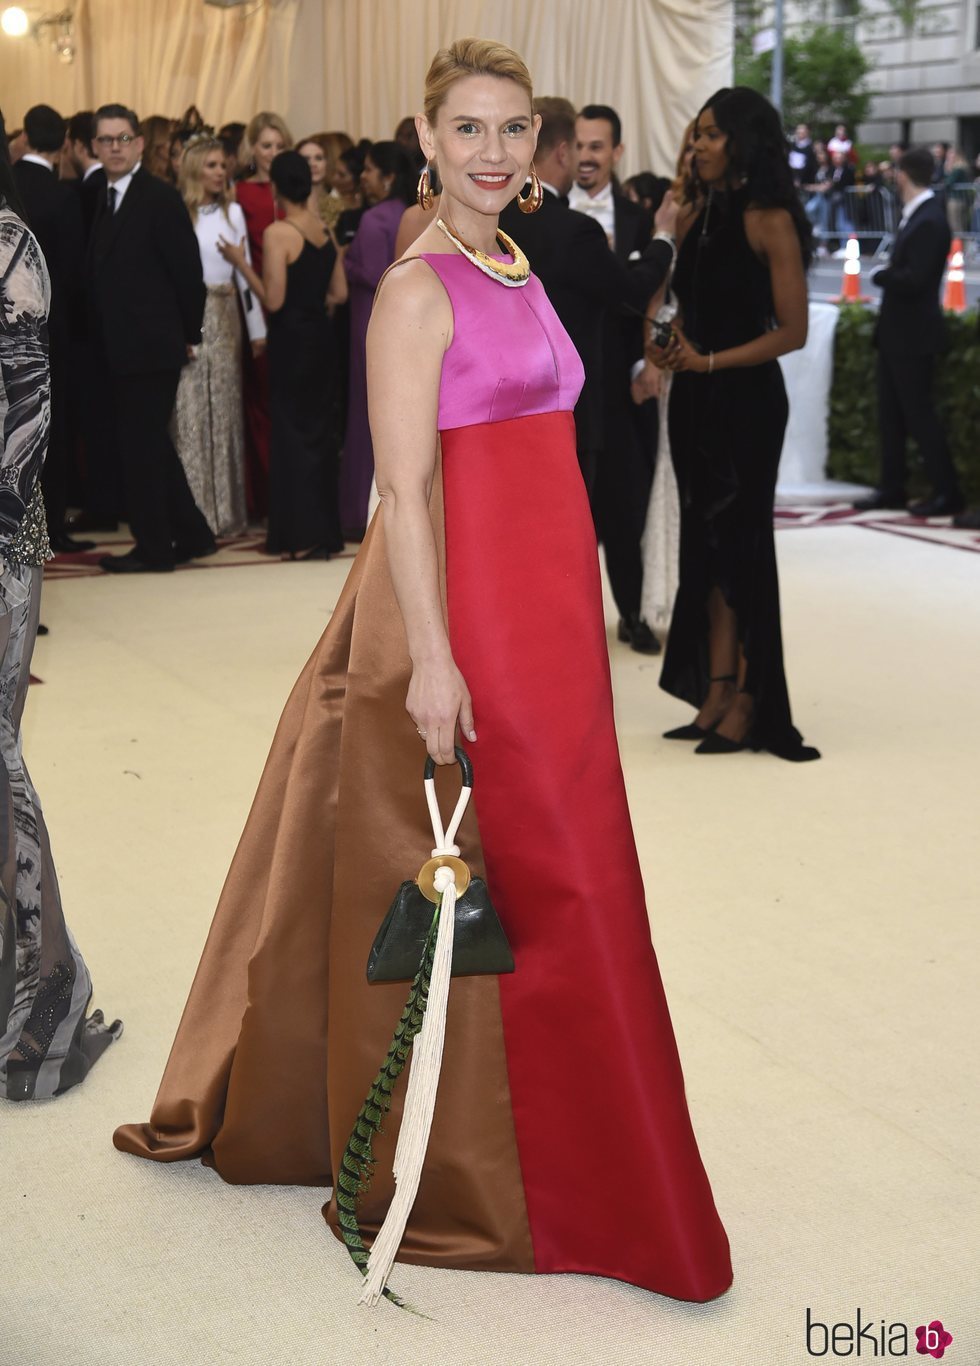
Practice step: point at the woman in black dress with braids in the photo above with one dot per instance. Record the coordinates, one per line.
(740, 280)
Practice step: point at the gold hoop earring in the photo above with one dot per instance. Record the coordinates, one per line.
(535, 196)
(423, 193)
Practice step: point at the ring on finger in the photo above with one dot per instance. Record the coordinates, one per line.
(421, 732)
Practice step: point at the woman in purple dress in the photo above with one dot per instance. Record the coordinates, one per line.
(388, 182)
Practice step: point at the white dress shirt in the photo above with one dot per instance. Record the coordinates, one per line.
(121, 186)
(229, 224)
(36, 160)
(913, 204)
(599, 206)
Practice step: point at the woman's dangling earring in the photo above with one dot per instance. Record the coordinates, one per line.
(424, 193)
(535, 196)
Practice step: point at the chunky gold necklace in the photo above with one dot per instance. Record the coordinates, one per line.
(514, 274)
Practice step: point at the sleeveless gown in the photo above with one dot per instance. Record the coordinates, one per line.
(303, 469)
(561, 1140)
(726, 437)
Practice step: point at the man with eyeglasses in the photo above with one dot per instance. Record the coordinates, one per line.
(146, 292)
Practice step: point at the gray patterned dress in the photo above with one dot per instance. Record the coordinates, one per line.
(46, 1043)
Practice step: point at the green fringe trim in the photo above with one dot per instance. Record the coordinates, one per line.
(357, 1164)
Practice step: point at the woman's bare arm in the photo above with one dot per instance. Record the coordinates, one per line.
(410, 329)
(275, 243)
(772, 235)
(236, 253)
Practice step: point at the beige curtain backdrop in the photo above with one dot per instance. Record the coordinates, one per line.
(359, 64)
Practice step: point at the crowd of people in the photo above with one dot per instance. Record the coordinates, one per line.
(211, 295)
(245, 327)
(843, 195)
(187, 263)
(221, 356)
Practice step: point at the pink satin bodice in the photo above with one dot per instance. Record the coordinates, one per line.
(509, 356)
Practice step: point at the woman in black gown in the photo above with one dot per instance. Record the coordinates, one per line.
(740, 280)
(302, 276)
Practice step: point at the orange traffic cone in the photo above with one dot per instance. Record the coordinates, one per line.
(850, 285)
(954, 298)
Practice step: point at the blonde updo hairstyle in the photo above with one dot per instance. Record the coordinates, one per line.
(257, 126)
(471, 57)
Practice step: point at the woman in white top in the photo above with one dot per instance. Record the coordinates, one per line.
(208, 419)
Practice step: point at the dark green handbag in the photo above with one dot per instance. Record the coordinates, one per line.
(479, 944)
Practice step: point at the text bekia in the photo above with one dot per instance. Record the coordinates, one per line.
(873, 1338)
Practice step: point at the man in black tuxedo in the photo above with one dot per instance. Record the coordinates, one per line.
(625, 471)
(91, 180)
(910, 336)
(97, 484)
(55, 217)
(583, 279)
(147, 295)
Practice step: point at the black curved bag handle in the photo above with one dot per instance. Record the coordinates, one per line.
(462, 758)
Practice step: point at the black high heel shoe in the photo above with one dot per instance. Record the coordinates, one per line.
(694, 731)
(720, 744)
(713, 743)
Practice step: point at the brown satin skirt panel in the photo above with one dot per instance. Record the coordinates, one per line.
(282, 1035)
(247, 1072)
(470, 1210)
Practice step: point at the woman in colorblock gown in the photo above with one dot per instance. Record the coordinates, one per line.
(740, 279)
(464, 607)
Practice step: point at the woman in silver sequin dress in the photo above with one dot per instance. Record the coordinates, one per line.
(47, 1045)
(209, 421)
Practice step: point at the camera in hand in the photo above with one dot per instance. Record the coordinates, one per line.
(661, 332)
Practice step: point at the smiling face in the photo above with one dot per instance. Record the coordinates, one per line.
(268, 145)
(711, 158)
(482, 142)
(316, 159)
(597, 157)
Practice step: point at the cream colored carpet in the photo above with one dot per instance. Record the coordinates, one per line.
(817, 931)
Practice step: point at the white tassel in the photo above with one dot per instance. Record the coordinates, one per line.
(420, 1098)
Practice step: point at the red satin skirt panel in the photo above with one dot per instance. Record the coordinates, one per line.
(613, 1180)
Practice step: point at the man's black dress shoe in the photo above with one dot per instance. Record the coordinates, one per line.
(634, 631)
(63, 544)
(879, 501)
(42, 630)
(132, 564)
(183, 553)
(968, 521)
(940, 505)
(90, 521)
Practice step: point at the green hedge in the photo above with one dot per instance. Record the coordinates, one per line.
(854, 403)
